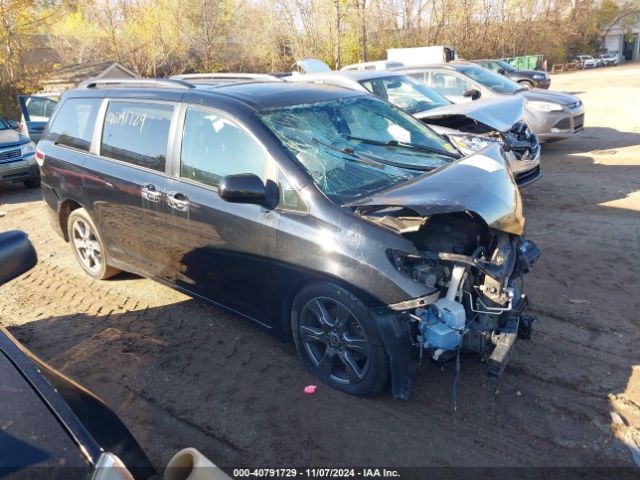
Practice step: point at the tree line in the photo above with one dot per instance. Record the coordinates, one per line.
(164, 37)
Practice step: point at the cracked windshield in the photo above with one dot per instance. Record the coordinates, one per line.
(355, 146)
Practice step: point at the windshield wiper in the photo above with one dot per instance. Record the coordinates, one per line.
(347, 151)
(374, 161)
(397, 143)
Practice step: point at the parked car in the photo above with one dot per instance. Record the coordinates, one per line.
(550, 115)
(50, 423)
(17, 157)
(323, 214)
(609, 59)
(36, 111)
(526, 78)
(471, 127)
(586, 61)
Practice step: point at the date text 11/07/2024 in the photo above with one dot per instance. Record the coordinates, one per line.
(315, 473)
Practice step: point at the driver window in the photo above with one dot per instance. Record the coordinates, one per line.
(214, 146)
(448, 84)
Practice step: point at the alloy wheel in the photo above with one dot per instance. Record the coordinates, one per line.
(334, 340)
(87, 245)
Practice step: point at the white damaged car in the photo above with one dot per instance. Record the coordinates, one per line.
(470, 126)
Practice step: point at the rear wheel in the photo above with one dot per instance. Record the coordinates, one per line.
(87, 245)
(338, 341)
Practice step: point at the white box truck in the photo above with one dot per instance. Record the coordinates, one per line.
(422, 55)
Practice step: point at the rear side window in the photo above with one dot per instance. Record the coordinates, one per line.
(73, 125)
(137, 133)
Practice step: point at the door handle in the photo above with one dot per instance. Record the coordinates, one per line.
(178, 201)
(149, 192)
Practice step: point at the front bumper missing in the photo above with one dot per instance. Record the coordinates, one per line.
(397, 337)
(493, 338)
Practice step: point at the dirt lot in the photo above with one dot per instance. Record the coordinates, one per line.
(182, 373)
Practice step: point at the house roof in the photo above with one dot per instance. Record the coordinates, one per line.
(70, 76)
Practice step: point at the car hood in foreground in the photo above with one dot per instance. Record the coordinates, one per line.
(540, 95)
(480, 183)
(9, 137)
(496, 113)
(31, 434)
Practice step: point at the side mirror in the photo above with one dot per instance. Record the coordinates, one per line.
(244, 188)
(17, 255)
(502, 71)
(474, 93)
(14, 124)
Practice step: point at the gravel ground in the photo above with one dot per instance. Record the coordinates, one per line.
(181, 373)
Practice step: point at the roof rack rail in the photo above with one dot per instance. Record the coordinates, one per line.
(136, 82)
(224, 76)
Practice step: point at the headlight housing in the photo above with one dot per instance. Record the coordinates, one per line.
(471, 142)
(545, 106)
(28, 149)
(538, 76)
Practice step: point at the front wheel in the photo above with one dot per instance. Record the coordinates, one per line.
(338, 341)
(526, 84)
(87, 245)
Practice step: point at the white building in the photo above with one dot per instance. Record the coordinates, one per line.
(624, 39)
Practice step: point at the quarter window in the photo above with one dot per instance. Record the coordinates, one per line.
(137, 133)
(214, 146)
(73, 125)
(289, 197)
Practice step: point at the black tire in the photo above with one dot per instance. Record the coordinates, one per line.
(344, 350)
(87, 245)
(526, 83)
(32, 183)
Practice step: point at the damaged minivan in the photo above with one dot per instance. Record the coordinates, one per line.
(325, 215)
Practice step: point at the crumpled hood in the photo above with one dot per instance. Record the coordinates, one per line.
(9, 137)
(496, 113)
(479, 183)
(540, 95)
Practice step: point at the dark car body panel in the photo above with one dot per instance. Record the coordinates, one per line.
(78, 427)
(528, 76)
(36, 439)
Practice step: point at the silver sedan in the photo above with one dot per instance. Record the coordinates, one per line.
(550, 115)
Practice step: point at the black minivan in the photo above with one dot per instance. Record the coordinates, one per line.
(322, 214)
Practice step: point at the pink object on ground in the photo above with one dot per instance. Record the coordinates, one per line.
(310, 389)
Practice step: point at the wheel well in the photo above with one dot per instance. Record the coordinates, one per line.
(65, 210)
(287, 300)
